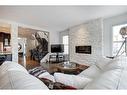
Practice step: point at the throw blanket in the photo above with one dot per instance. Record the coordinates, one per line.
(56, 85)
(37, 71)
(50, 84)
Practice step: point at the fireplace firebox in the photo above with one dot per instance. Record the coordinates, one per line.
(83, 49)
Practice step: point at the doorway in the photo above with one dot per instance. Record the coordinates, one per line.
(32, 46)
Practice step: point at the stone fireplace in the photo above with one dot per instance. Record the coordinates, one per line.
(87, 34)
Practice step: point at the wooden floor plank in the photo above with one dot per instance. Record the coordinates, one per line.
(29, 63)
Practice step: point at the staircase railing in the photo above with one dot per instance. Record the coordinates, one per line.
(41, 50)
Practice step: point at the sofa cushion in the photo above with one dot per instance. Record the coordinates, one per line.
(11, 66)
(123, 80)
(92, 72)
(113, 64)
(106, 64)
(72, 80)
(102, 61)
(107, 80)
(20, 80)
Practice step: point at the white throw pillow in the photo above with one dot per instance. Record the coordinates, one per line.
(47, 76)
(72, 80)
(92, 72)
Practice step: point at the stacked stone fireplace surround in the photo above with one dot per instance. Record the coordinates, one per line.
(89, 33)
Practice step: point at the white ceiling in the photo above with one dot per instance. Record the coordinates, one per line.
(57, 18)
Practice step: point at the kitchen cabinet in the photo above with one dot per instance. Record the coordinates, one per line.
(5, 38)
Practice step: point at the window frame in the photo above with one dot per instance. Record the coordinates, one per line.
(66, 44)
(117, 41)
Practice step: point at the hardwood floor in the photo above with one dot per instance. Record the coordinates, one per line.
(29, 63)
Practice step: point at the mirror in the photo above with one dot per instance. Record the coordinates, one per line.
(19, 46)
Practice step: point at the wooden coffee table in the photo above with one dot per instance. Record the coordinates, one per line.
(64, 67)
(71, 67)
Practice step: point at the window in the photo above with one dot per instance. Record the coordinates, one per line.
(117, 39)
(66, 45)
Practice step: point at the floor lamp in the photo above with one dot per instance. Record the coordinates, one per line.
(123, 32)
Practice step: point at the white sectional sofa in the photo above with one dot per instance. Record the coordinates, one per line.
(105, 74)
(15, 76)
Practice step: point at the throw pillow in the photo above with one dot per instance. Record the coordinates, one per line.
(92, 72)
(47, 76)
(72, 80)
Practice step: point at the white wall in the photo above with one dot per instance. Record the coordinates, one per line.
(30, 44)
(108, 37)
(63, 33)
(22, 41)
(54, 37)
(89, 33)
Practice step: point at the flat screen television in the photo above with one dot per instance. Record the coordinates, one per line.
(57, 48)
